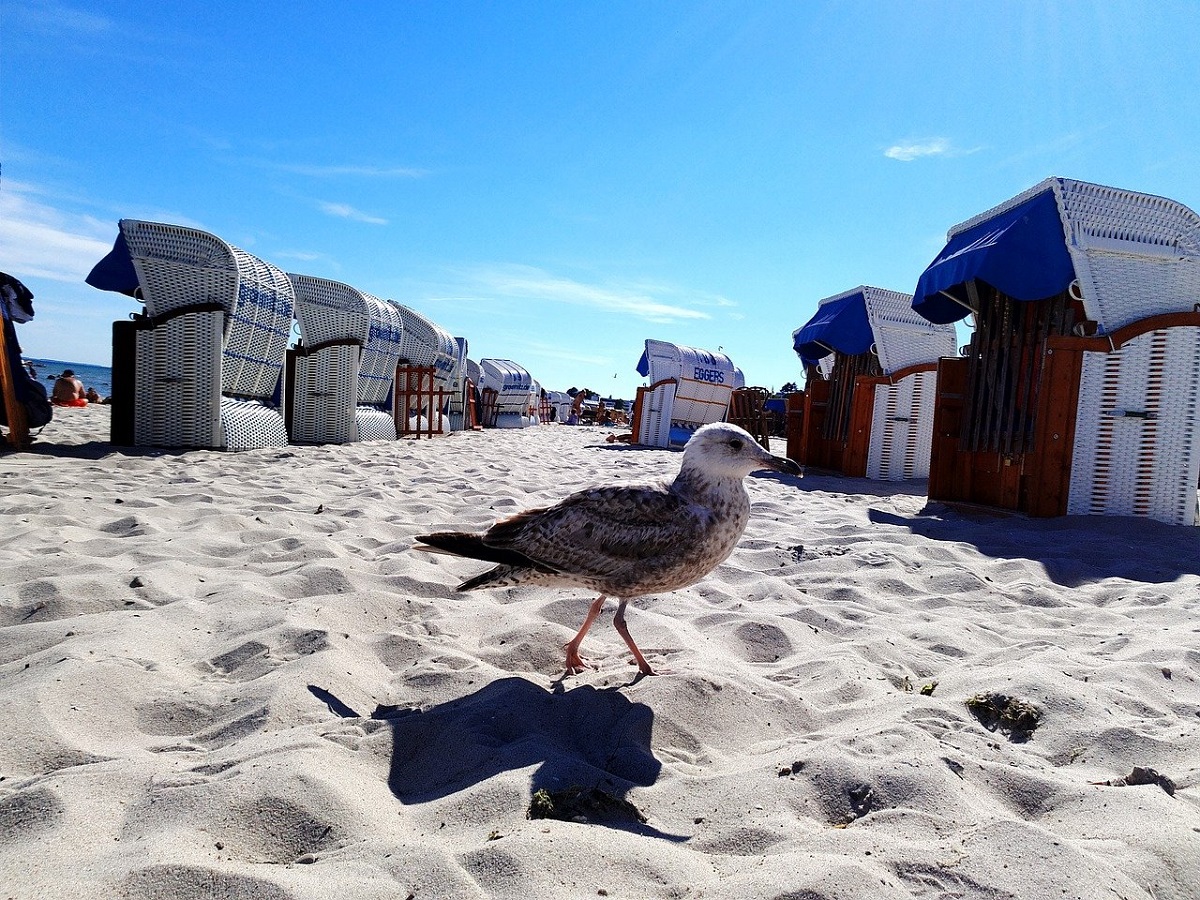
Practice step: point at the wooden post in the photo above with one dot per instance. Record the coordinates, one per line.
(18, 424)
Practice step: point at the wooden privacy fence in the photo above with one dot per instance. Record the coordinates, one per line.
(419, 405)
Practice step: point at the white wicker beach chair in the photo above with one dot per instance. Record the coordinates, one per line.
(211, 348)
(345, 364)
(1125, 269)
(514, 387)
(688, 388)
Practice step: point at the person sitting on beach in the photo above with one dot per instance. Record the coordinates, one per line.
(92, 397)
(68, 390)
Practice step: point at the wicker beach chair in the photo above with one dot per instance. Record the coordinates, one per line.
(688, 388)
(1080, 390)
(514, 388)
(209, 351)
(345, 364)
(873, 370)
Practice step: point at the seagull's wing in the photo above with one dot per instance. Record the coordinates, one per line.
(601, 531)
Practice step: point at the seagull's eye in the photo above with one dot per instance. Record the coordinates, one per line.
(736, 444)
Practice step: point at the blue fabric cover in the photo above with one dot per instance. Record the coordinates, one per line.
(643, 366)
(1021, 253)
(115, 272)
(840, 324)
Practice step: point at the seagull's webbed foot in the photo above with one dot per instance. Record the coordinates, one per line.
(575, 663)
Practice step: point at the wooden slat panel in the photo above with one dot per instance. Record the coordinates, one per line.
(858, 441)
(947, 427)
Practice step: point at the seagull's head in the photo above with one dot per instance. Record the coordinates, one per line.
(724, 450)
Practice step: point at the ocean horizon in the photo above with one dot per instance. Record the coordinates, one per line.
(98, 377)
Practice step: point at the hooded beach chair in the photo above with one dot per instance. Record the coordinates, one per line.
(515, 390)
(1080, 390)
(688, 388)
(202, 366)
(343, 369)
(869, 399)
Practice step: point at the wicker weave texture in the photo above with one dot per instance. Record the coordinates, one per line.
(258, 330)
(374, 424)
(902, 337)
(704, 381)
(1137, 430)
(177, 387)
(1135, 255)
(654, 427)
(428, 344)
(180, 267)
(329, 310)
(251, 425)
(323, 396)
(902, 428)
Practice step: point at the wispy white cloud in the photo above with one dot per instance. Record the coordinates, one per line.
(535, 284)
(346, 211)
(49, 16)
(39, 240)
(910, 150)
(355, 171)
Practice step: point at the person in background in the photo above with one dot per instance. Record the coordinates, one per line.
(92, 397)
(68, 390)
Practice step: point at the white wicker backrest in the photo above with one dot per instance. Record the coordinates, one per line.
(427, 344)
(330, 311)
(259, 329)
(704, 380)
(1135, 255)
(902, 337)
(511, 381)
(385, 344)
(179, 268)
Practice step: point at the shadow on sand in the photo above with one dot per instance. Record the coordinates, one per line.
(1074, 550)
(584, 737)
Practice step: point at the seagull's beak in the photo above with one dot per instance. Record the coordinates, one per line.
(782, 464)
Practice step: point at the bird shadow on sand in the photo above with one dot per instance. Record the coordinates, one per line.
(586, 741)
(1074, 550)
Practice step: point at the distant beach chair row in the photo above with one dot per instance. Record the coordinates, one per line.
(1079, 390)
(208, 363)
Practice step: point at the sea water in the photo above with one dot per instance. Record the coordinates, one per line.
(98, 377)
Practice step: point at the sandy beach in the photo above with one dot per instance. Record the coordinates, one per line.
(225, 675)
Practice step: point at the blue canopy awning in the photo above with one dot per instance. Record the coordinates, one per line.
(115, 272)
(1021, 253)
(840, 325)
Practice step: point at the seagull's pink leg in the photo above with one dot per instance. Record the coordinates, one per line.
(575, 663)
(623, 630)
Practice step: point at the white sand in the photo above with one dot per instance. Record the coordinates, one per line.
(192, 646)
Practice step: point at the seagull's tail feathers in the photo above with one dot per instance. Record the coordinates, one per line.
(500, 576)
(514, 567)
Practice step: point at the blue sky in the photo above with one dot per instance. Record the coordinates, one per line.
(558, 181)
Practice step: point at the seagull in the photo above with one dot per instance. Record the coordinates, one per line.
(626, 542)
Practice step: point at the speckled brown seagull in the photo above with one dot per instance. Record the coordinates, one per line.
(626, 542)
